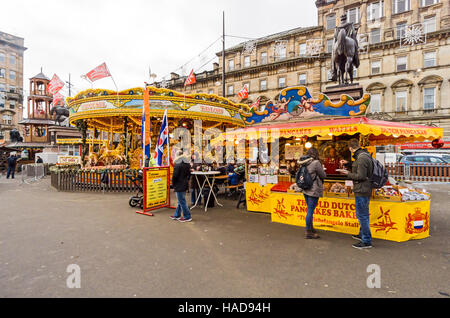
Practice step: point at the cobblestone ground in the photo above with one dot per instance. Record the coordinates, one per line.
(225, 252)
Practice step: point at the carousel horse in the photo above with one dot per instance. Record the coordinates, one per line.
(92, 158)
(110, 155)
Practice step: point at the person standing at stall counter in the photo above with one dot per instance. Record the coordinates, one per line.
(180, 182)
(312, 195)
(362, 169)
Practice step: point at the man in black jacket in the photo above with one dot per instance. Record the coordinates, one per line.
(180, 182)
(362, 170)
(12, 161)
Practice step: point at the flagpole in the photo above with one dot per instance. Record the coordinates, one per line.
(112, 78)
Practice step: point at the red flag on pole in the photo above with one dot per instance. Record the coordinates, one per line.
(55, 85)
(243, 93)
(190, 79)
(58, 98)
(97, 73)
(255, 104)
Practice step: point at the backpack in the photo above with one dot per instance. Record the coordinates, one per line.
(379, 174)
(303, 178)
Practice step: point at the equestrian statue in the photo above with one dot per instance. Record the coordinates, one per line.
(344, 55)
(62, 113)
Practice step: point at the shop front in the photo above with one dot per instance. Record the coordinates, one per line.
(398, 211)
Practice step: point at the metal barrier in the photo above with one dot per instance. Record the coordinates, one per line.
(419, 172)
(33, 172)
(85, 180)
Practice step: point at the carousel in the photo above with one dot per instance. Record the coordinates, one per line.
(115, 118)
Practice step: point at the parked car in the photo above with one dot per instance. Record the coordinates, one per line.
(417, 159)
(444, 156)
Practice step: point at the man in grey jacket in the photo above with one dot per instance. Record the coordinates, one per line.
(362, 170)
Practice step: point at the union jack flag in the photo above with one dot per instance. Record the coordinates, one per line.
(163, 139)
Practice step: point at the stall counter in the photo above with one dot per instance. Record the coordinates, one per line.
(389, 220)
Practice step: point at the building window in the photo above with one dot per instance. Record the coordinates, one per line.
(302, 79)
(2, 100)
(230, 90)
(375, 102)
(353, 15)
(302, 49)
(429, 24)
(330, 45)
(12, 104)
(2, 87)
(230, 65)
(12, 89)
(355, 72)
(429, 59)
(2, 57)
(401, 6)
(429, 98)
(211, 91)
(400, 101)
(375, 10)
(401, 63)
(375, 36)
(248, 86)
(282, 82)
(246, 61)
(262, 85)
(400, 30)
(264, 58)
(331, 22)
(280, 52)
(7, 119)
(425, 3)
(2, 73)
(12, 60)
(12, 75)
(375, 67)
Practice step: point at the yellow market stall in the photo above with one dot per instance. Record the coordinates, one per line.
(397, 213)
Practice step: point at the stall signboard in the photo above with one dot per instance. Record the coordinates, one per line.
(293, 152)
(156, 188)
(258, 197)
(69, 160)
(395, 221)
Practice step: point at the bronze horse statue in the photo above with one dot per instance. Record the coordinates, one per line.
(61, 113)
(344, 55)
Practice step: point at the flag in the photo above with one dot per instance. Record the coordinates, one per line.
(55, 85)
(57, 98)
(243, 93)
(190, 79)
(255, 104)
(97, 73)
(145, 128)
(163, 139)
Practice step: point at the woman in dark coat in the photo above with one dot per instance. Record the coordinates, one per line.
(312, 195)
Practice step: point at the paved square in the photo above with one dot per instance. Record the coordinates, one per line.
(225, 252)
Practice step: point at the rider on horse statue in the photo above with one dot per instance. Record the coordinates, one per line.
(351, 32)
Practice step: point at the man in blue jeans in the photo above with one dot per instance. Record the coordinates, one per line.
(180, 182)
(362, 169)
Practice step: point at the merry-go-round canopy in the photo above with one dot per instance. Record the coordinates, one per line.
(105, 109)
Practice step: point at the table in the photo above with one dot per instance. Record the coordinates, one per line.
(207, 175)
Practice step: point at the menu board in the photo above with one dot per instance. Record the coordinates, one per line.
(156, 188)
(293, 152)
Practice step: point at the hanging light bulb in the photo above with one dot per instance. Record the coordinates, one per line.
(308, 145)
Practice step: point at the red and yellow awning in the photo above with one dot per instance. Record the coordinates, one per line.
(381, 132)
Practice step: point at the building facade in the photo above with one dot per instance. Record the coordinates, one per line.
(404, 52)
(11, 84)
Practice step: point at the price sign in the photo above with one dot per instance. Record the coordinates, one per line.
(156, 188)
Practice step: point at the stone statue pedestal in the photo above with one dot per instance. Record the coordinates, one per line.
(334, 92)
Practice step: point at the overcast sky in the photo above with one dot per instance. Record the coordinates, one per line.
(130, 36)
